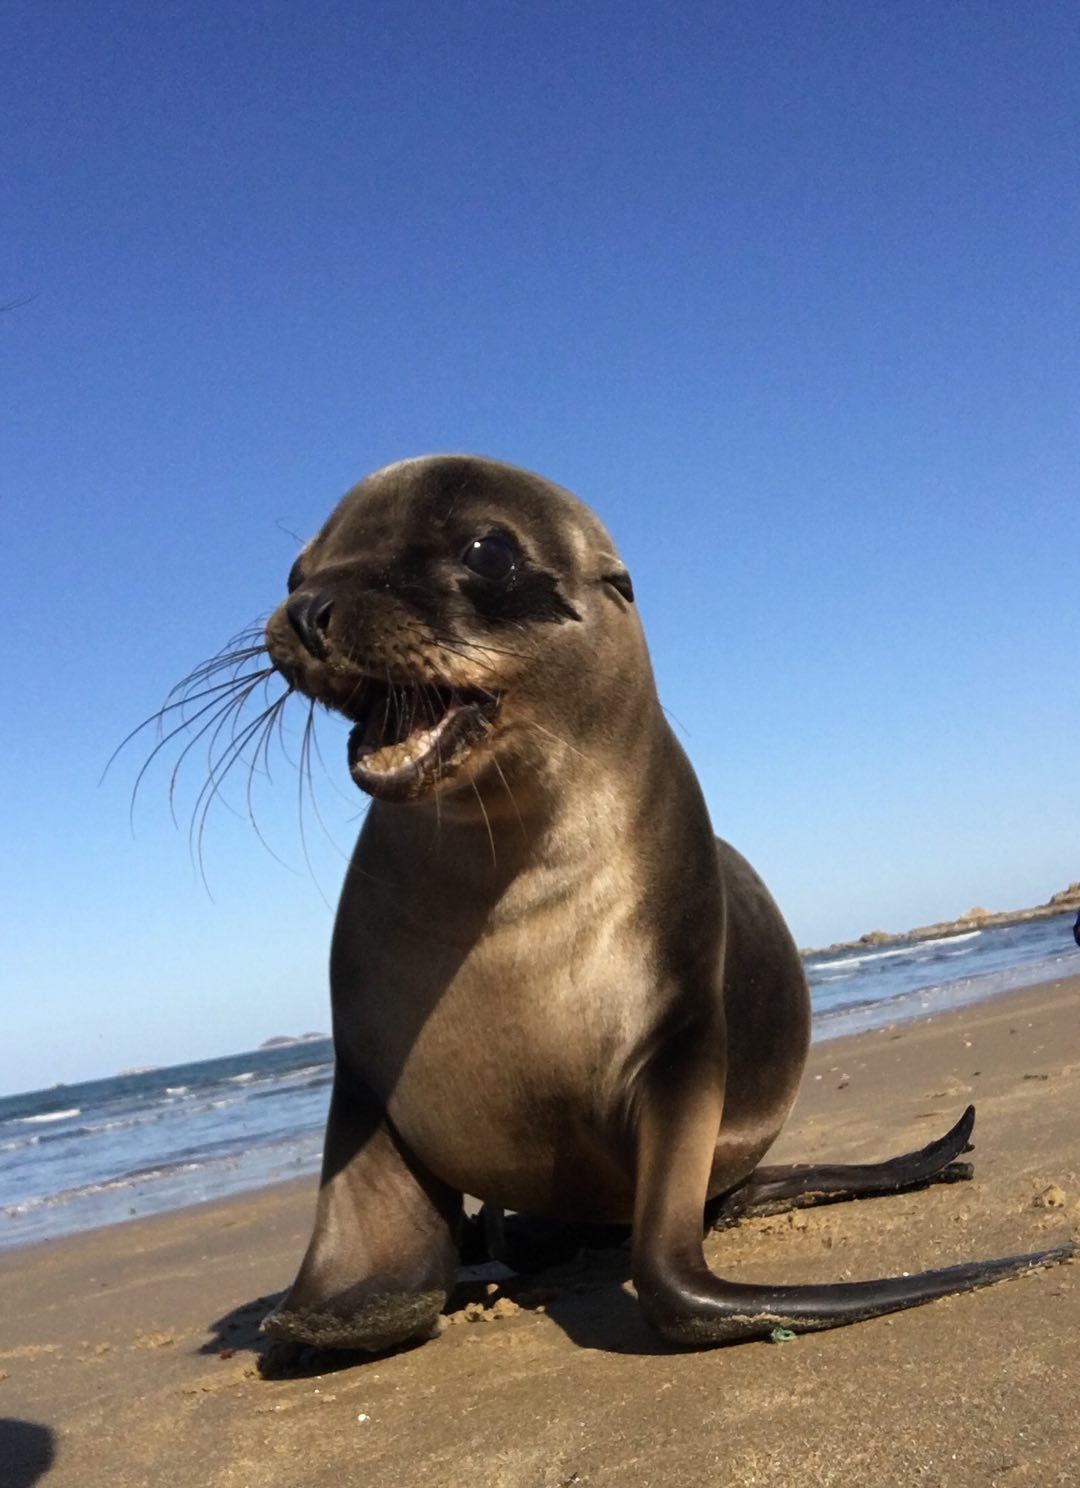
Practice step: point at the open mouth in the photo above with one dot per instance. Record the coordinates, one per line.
(410, 735)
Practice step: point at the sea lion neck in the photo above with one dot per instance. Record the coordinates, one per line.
(501, 825)
(515, 842)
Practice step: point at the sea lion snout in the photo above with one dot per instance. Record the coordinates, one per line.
(309, 615)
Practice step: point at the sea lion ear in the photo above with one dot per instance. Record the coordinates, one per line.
(621, 582)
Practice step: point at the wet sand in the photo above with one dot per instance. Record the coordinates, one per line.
(127, 1355)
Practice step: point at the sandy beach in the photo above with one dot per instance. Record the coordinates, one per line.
(127, 1355)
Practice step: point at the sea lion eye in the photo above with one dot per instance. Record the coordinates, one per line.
(493, 558)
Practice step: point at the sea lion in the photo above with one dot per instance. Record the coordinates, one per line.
(552, 987)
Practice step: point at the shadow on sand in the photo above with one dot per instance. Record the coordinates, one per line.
(585, 1297)
(27, 1451)
(239, 1328)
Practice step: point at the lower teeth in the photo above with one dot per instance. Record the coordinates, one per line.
(396, 756)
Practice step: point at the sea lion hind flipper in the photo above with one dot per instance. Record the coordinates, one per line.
(774, 1190)
(677, 1147)
(383, 1254)
(695, 1307)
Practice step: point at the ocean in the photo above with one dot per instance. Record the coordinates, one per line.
(78, 1156)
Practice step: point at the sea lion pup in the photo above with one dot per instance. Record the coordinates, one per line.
(552, 988)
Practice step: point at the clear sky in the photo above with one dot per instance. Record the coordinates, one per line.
(788, 292)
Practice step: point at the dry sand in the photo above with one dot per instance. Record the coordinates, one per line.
(127, 1355)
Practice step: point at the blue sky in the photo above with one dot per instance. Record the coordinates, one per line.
(787, 292)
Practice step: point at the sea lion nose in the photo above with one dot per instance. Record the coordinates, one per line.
(309, 616)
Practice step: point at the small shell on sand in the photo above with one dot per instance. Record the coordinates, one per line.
(1051, 1197)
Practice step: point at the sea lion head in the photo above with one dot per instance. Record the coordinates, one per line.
(466, 616)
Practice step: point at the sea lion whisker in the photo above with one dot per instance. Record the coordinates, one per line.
(231, 714)
(487, 823)
(313, 748)
(489, 645)
(532, 723)
(218, 763)
(510, 794)
(269, 703)
(263, 745)
(305, 766)
(212, 689)
(247, 635)
(217, 702)
(158, 747)
(218, 771)
(244, 682)
(485, 647)
(278, 725)
(462, 656)
(350, 800)
(431, 697)
(215, 693)
(253, 631)
(386, 703)
(242, 647)
(230, 708)
(226, 663)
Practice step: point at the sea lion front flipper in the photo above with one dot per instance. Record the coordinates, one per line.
(774, 1190)
(383, 1254)
(683, 1299)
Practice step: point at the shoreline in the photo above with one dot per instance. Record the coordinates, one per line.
(828, 1026)
(128, 1351)
(941, 998)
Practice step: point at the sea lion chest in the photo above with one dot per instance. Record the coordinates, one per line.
(501, 1039)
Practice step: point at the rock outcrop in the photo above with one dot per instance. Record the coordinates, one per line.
(976, 919)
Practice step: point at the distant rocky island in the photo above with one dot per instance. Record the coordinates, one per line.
(975, 919)
(282, 1040)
